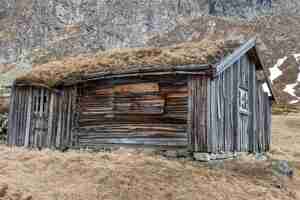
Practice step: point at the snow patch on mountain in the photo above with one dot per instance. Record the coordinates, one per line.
(297, 57)
(290, 88)
(275, 72)
(266, 89)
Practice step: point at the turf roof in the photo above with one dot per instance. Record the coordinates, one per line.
(119, 61)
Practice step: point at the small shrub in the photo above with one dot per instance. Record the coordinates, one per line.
(3, 127)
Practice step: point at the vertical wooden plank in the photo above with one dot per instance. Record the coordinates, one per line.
(221, 114)
(238, 132)
(198, 110)
(190, 114)
(17, 120)
(11, 115)
(54, 119)
(73, 118)
(254, 113)
(28, 118)
(69, 121)
(50, 119)
(208, 107)
(59, 123)
(41, 98)
(213, 105)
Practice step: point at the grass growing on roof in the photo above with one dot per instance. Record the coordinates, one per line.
(117, 61)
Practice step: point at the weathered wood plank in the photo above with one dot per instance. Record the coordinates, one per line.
(116, 108)
(28, 118)
(136, 88)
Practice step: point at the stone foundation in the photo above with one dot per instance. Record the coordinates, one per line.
(205, 157)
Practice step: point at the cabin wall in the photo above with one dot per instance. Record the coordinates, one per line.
(228, 113)
(143, 111)
(197, 109)
(41, 118)
(19, 107)
(222, 115)
(239, 112)
(262, 137)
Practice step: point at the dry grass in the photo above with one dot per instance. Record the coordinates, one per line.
(286, 136)
(117, 61)
(128, 174)
(6, 67)
(284, 109)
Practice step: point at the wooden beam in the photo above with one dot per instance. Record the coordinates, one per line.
(235, 56)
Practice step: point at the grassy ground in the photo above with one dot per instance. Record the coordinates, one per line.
(286, 137)
(127, 174)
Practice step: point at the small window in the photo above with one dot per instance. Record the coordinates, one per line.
(243, 100)
(40, 101)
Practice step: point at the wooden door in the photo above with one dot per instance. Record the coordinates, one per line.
(40, 117)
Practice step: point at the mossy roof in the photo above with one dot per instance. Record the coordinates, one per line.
(119, 61)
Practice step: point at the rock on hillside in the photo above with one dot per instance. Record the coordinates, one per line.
(36, 31)
(54, 28)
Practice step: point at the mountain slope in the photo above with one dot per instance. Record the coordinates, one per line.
(278, 42)
(36, 31)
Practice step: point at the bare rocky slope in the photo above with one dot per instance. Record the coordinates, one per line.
(36, 31)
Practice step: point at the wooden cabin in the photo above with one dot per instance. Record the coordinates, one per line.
(204, 96)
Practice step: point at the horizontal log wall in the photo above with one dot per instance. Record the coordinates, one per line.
(147, 111)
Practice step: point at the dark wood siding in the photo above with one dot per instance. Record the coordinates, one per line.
(146, 111)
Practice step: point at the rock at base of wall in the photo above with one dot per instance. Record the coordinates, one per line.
(204, 157)
(180, 153)
(282, 168)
